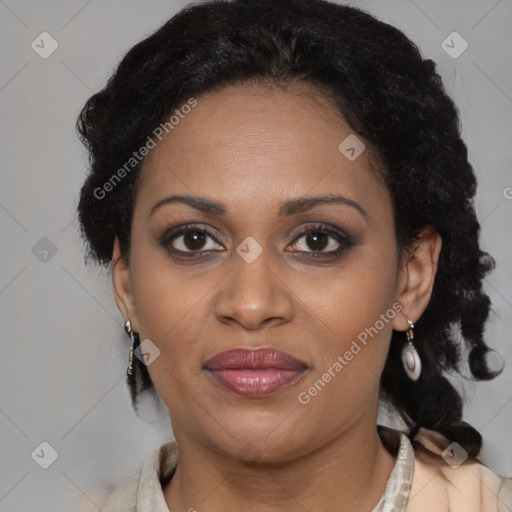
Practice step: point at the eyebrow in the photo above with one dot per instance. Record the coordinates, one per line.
(288, 208)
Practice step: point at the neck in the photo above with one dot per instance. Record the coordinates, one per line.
(349, 473)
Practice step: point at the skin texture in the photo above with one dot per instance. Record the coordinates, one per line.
(251, 148)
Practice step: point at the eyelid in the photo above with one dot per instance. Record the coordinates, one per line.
(328, 229)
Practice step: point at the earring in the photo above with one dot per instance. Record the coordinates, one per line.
(128, 329)
(410, 357)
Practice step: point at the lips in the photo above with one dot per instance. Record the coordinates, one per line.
(255, 372)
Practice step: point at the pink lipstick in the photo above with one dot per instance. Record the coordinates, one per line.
(255, 372)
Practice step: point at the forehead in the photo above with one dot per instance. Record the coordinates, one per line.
(258, 145)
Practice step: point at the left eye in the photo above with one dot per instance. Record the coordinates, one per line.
(319, 240)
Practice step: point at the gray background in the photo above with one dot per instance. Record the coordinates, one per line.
(64, 350)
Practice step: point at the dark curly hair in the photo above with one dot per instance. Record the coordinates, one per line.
(387, 93)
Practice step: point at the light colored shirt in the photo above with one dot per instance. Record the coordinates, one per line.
(421, 481)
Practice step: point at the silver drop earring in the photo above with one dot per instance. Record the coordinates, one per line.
(128, 329)
(410, 357)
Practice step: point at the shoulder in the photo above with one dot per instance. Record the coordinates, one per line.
(124, 498)
(145, 489)
(455, 485)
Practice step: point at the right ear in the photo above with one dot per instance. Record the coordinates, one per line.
(122, 283)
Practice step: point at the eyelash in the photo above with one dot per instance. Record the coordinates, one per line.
(346, 241)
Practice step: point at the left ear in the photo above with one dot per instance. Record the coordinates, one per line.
(416, 277)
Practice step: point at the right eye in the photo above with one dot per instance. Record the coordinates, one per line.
(189, 240)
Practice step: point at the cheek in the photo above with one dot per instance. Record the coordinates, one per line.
(162, 296)
(362, 289)
(172, 305)
(355, 309)
(168, 311)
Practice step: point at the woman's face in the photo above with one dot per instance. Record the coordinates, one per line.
(247, 278)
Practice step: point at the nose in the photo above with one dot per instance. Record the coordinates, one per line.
(254, 294)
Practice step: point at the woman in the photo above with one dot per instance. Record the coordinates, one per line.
(283, 195)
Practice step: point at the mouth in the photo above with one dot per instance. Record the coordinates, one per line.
(255, 372)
